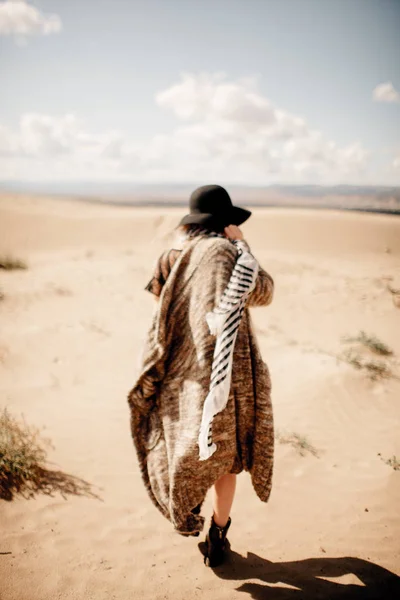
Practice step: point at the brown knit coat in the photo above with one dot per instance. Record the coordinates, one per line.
(167, 399)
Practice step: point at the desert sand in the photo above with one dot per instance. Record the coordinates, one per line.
(72, 327)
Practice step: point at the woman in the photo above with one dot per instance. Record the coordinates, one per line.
(200, 408)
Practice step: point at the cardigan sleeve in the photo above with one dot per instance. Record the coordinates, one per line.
(263, 291)
(162, 269)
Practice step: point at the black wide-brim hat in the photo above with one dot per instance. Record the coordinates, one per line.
(211, 206)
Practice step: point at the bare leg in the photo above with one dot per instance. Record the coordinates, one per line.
(223, 494)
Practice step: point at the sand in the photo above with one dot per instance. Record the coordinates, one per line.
(72, 327)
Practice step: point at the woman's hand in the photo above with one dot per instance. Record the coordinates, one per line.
(233, 232)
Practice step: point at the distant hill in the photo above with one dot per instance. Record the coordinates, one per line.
(347, 197)
(339, 190)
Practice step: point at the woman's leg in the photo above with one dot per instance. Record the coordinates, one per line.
(223, 494)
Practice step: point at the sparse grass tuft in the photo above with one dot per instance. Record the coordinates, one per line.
(9, 263)
(298, 442)
(395, 292)
(371, 342)
(392, 290)
(22, 455)
(360, 358)
(375, 369)
(62, 291)
(393, 462)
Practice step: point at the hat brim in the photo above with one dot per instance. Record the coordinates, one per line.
(205, 219)
(239, 215)
(236, 216)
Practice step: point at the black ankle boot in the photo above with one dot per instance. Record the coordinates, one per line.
(215, 544)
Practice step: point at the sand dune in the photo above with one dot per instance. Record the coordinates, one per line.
(71, 327)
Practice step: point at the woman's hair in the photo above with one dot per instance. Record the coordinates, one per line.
(190, 231)
(193, 229)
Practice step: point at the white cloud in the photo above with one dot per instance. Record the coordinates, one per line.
(20, 19)
(210, 98)
(385, 92)
(229, 132)
(44, 136)
(396, 163)
(46, 147)
(41, 135)
(237, 128)
(314, 154)
(8, 142)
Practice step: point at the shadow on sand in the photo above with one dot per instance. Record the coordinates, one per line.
(48, 482)
(306, 578)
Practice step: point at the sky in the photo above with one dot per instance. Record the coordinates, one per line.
(251, 92)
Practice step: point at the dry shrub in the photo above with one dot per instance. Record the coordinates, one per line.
(9, 263)
(375, 369)
(393, 462)
(360, 356)
(22, 464)
(395, 292)
(297, 441)
(371, 342)
(22, 455)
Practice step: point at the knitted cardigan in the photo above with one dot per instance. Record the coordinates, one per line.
(166, 401)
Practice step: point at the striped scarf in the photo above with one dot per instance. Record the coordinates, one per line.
(223, 322)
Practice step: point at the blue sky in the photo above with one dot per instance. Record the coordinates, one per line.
(239, 91)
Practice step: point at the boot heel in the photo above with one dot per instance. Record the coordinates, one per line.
(216, 544)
